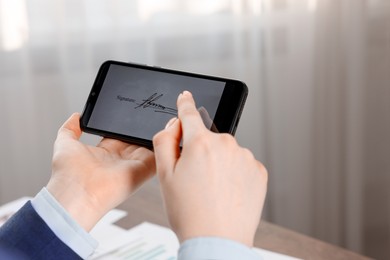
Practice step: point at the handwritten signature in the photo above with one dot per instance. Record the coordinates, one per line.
(150, 102)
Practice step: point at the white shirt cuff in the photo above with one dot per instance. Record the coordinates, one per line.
(62, 224)
(215, 248)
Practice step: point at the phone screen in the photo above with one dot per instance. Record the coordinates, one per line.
(139, 102)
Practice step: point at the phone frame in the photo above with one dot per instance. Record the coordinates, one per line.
(226, 117)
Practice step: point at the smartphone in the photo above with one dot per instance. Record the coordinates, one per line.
(132, 102)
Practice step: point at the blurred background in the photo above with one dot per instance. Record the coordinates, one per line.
(318, 112)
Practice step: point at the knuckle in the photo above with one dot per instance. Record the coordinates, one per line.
(189, 112)
(228, 139)
(248, 154)
(263, 171)
(159, 138)
(200, 141)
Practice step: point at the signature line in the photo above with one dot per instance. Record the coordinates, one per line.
(151, 103)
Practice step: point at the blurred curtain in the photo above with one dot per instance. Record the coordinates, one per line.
(328, 138)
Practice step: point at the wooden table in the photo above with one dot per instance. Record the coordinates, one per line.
(147, 205)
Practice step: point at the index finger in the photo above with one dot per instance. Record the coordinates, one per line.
(189, 116)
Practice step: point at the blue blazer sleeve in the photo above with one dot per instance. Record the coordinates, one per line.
(27, 234)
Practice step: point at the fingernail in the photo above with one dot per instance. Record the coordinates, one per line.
(170, 122)
(185, 93)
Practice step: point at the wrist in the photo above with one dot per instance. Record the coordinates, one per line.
(62, 224)
(74, 199)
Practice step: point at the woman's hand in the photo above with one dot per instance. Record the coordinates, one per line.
(89, 181)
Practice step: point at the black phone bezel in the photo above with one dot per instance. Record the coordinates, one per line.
(227, 115)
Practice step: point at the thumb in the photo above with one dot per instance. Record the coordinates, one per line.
(166, 147)
(71, 128)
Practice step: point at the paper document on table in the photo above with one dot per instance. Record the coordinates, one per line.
(145, 241)
(150, 241)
